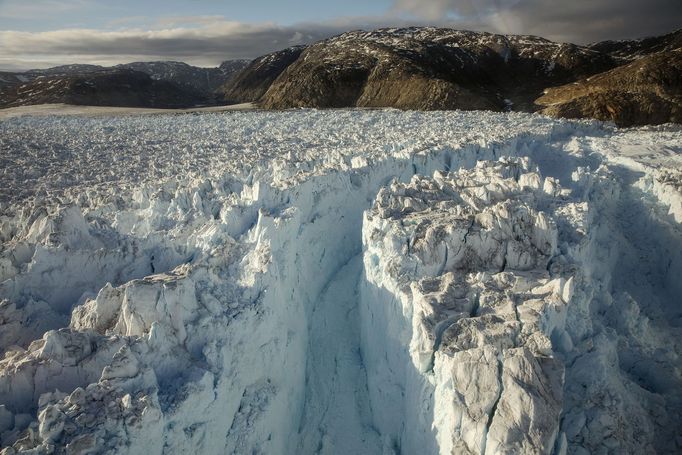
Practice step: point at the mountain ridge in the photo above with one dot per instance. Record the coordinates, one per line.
(429, 68)
(194, 85)
(422, 68)
(108, 87)
(644, 91)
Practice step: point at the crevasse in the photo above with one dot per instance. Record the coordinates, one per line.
(268, 322)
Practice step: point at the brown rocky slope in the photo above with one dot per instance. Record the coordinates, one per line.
(117, 87)
(646, 91)
(252, 82)
(429, 68)
(628, 50)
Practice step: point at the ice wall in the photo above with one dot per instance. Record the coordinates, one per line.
(459, 283)
(216, 345)
(499, 312)
(220, 265)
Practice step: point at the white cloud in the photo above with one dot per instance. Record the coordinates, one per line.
(198, 40)
(23, 9)
(578, 21)
(208, 44)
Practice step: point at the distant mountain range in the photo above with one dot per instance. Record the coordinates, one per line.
(629, 82)
(138, 84)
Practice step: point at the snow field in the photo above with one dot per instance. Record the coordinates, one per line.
(235, 265)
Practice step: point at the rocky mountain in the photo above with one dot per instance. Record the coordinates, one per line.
(190, 79)
(231, 68)
(426, 68)
(10, 79)
(646, 91)
(107, 87)
(65, 70)
(252, 83)
(629, 50)
(436, 68)
(203, 80)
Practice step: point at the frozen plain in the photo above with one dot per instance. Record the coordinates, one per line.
(339, 282)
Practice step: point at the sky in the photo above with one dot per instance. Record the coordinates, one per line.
(44, 33)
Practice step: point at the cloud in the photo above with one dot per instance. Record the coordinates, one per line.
(207, 44)
(22, 9)
(578, 21)
(126, 21)
(171, 21)
(198, 40)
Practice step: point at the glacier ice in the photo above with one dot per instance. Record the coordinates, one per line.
(339, 282)
(464, 258)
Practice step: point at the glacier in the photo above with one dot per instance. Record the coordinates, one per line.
(346, 281)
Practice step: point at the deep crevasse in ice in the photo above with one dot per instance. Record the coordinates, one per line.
(497, 316)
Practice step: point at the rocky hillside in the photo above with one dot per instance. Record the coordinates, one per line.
(646, 91)
(203, 80)
(434, 68)
(10, 79)
(252, 83)
(629, 82)
(231, 68)
(64, 70)
(428, 68)
(119, 87)
(628, 50)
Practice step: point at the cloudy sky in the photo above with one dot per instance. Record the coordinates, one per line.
(42, 33)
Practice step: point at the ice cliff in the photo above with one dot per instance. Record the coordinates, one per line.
(339, 282)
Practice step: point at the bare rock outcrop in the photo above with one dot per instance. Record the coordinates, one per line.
(253, 81)
(429, 68)
(646, 91)
(118, 87)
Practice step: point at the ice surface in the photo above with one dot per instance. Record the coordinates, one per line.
(336, 417)
(339, 282)
(464, 257)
